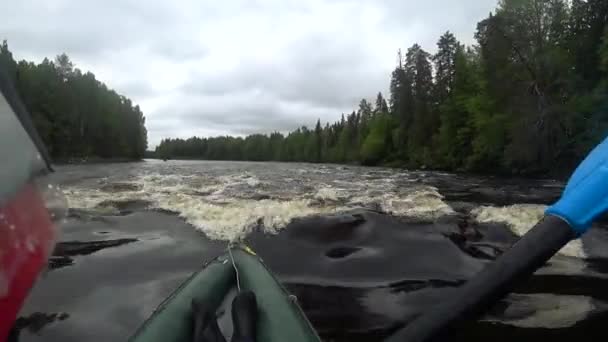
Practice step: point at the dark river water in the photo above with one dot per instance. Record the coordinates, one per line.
(364, 249)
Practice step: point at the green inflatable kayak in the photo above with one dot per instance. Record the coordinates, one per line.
(279, 318)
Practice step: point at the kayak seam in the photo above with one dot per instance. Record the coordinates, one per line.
(311, 329)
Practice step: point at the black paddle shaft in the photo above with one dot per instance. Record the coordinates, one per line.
(491, 284)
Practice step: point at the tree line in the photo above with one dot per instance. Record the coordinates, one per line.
(76, 115)
(529, 97)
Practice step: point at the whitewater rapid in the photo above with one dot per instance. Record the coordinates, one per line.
(228, 205)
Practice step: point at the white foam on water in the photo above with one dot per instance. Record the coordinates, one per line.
(252, 181)
(213, 205)
(79, 198)
(219, 217)
(235, 219)
(520, 218)
(423, 203)
(545, 310)
(332, 194)
(326, 193)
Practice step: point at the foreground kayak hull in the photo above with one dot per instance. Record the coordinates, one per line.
(279, 317)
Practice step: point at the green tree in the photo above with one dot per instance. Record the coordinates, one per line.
(424, 121)
(76, 115)
(445, 66)
(402, 108)
(8, 66)
(456, 130)
(317, 143)
(375, 148)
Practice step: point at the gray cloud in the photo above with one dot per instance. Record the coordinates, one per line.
(316, 72)
(236, 66)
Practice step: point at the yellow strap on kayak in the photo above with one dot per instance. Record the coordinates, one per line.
(248, 250)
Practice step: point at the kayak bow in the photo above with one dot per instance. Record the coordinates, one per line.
(279, 318)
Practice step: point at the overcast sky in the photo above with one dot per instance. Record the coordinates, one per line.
(207, 67)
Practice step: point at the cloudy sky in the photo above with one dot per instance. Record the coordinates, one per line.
(206, 67)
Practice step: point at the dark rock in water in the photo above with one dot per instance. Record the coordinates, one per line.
(201, 193)
(497, 233)
(37, 321)
(259, 197)
(85, 215)
(341, 252)
(56, 262)
(120, 187)
(485, 251)
(127, 206)
(483, 241)
(64, 251)
(164, 211)
(463, 207)
(72, 248)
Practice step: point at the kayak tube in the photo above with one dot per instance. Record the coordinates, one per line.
(279, 318)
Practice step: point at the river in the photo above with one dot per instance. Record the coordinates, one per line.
(364, 249)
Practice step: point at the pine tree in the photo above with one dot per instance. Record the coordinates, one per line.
(402, 109)
(8, 66)
(424, 121)
(381, 105)
(456, 131)
(318, 142)
(76, 115)
(445, 66)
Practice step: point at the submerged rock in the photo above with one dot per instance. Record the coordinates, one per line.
(72, 248)
(120, 187)
(125, 206)
(37, 321)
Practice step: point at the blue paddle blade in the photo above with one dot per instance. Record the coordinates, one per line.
(586, 195)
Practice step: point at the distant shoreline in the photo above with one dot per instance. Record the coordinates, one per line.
(95, 160)
(390, 165)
